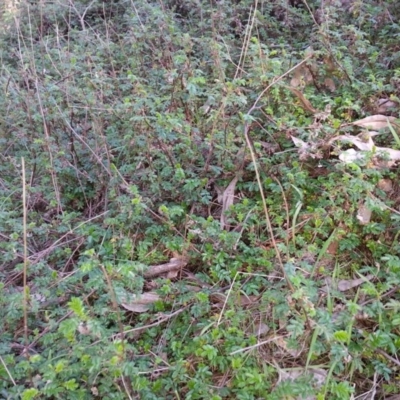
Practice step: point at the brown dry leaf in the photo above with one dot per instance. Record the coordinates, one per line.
(344, 285)
(330, 84)
(228, 197)
(383, 156)
(219, 299)
(141, 303)
(385, 105)
(248, 300)
(377, 122)
(386, 185)
(84, 329)
(281, 342)
(333, 247)
(261, 329)
(364, 214)
(394, 155)
(305, 104)
(302, 76)
(171, 274)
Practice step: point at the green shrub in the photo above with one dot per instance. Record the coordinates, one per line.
(131, 123)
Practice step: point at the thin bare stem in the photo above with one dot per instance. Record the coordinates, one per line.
(245, 46)
(272, 339)
(46, 130)
(266, 212)
(287, 215)
(8, 372)
(226, 299)
(25, 273)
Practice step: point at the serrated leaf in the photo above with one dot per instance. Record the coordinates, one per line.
(76, 305)
(396, 321)
(29, 394)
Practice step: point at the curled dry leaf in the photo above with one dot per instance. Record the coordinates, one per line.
(300, 143)
(377, 122)
(363, 143)
(384, 156)
(174, 264)
(344, 285)
(330, 84)
(394, 155)
(141, 303)
(228, 197)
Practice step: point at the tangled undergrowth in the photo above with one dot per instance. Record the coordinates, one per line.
(200, 200)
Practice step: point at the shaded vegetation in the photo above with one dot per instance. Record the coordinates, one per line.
(161, 236)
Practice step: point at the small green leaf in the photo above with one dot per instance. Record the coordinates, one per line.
(29, 394)
(76, 305)
(71, 385)
(341, 336)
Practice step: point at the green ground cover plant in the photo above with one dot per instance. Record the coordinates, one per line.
(199, 200)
